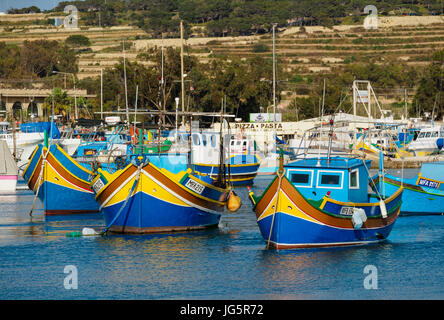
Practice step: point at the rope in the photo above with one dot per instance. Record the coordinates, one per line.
(374, 185)
(139, 168)
(39, 180)
(280, 175)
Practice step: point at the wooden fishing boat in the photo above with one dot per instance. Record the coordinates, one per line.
(324, 202)
(241, 163)
(423, 194)
(59, 181)
(142, 198)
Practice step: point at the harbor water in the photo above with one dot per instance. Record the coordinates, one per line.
(228, 262)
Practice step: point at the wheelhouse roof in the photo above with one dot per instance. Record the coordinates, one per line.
(323, 163)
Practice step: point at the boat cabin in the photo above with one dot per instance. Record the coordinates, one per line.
(5, 127)
(205, 147)
(431, 139)
(343, 179)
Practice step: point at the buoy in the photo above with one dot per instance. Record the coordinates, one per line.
(234, 202)
(84, 232)
(358, 217)
(74, 234)
(89, 232)
(251, 196)
(383, 208)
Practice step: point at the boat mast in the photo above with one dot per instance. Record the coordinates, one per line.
(274, 74)
(182, 72)
(126, 88)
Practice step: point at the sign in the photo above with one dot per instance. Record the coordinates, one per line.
(362, 96)
(428, 183)
(265, 117)
(258, 126)
(347, 211)
(195, 186)
(98, 185)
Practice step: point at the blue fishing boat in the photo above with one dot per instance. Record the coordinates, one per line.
(143, 198)
(322, 202)
(59, 182)
(423, 194)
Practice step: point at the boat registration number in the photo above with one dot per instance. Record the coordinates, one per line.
(428, 183)
(347, 211)
(195, 186)
(98, 185)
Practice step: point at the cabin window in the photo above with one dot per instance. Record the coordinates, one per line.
(421, 135)
(354, 179)
(330, 179)
(441, 134)
(434, 134)
(204, 140)
(300, 178)
(213, 141)
(196, 140)
(428, 134)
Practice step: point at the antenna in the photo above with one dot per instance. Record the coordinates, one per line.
(124, 75)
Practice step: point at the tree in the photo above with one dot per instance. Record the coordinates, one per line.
(41, 57)
(429, 96)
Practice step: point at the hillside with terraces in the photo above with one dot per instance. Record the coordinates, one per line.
(302, 52)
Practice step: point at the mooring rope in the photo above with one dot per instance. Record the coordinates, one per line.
(139, 168)
(39, 180)
(280, 175)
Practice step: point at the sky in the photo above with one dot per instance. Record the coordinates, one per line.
(42, 4)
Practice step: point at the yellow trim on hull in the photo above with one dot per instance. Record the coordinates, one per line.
(148, 186)
(286, 206)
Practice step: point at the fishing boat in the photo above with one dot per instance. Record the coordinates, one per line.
(59, 181)
(8, 169)
(241, 162)
(143, 198)
(429, 140)
(324, 202)
(423, 194)
(26, 138)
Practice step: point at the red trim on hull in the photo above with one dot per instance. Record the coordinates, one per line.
(66, 212)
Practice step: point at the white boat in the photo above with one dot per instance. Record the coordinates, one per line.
(8, 169)
(429, 140)
(25, 142)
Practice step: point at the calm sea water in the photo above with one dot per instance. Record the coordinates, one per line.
(229, 262)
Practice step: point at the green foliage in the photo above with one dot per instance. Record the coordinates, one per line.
(31, 9)
(36, 59)
(232, 17)
(77, 40)
(260, 47)
(429, 95)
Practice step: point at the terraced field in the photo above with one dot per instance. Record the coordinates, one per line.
(308, 51)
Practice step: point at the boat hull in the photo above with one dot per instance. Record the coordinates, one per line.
(243, 169)
(63, 185)
(416, 200)
(8, 183)
(287, 220)
(152, 200)
(147, 214)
